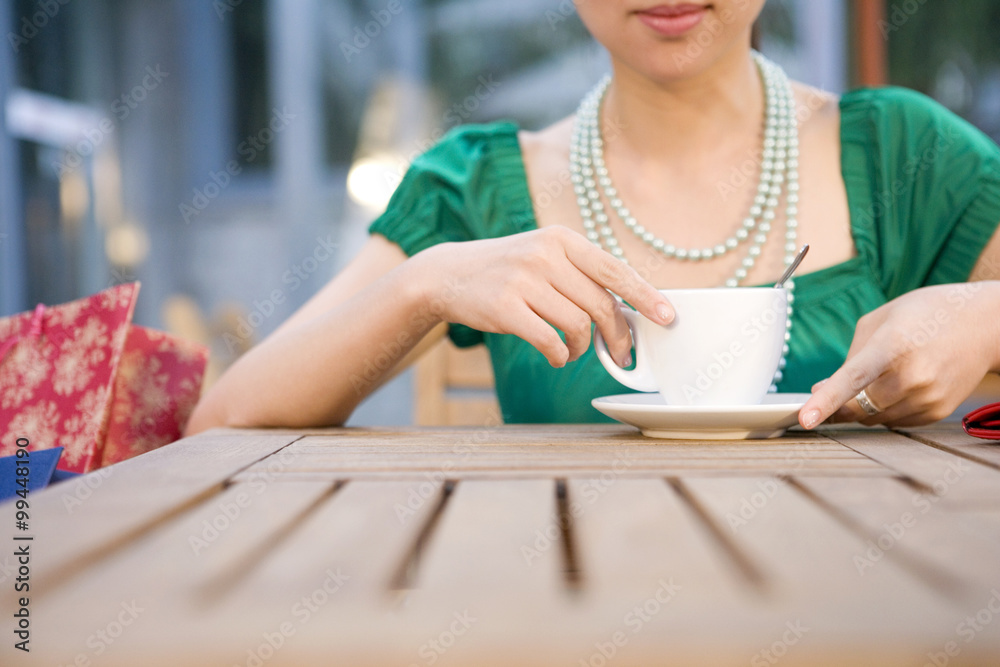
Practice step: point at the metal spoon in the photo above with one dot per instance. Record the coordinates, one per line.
(791, 267)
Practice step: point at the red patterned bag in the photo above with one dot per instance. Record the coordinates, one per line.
(81, 376)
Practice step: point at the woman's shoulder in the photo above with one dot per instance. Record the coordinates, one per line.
(455, 156)
(470, 141)
(893, 100)
(902, 117)
(465, 154)
(546, 151)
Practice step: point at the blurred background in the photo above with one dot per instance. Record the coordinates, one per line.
(230, 153)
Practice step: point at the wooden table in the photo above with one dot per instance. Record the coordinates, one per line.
(526, 545)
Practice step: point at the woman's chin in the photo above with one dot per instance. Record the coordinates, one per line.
(676, 60)
(669, 68)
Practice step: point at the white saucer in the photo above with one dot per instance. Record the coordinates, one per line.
(656, 419)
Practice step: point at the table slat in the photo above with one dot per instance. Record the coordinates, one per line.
(496, 540)
(441, 455)
(633, 533)
(977, 484)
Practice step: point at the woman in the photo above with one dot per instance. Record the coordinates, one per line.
(899, 199)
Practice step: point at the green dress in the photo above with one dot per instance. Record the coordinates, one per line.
(923, 188)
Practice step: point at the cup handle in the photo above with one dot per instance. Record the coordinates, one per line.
(641, 377)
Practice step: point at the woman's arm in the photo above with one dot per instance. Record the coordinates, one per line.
(988, 265)
(369, 320)
(312, 369)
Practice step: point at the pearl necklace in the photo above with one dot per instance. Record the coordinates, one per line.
(779, 164)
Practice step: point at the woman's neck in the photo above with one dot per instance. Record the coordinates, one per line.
(687, 117)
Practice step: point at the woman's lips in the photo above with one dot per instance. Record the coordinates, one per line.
(673, 20)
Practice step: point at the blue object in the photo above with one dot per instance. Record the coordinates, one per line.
(60, 475)
(41, 466)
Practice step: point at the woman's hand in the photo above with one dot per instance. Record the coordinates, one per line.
(917, 357)
(533, 283)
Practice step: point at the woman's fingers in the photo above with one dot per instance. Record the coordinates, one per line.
(885, 393)
(867, 365)
(916, 404)
(904, 395)
(603, 308)
(620, 278)
(554, 278)
(565, 315)
(539, 334)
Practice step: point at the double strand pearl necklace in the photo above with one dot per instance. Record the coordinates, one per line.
(779, 165)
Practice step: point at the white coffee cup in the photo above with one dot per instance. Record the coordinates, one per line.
(722, 348)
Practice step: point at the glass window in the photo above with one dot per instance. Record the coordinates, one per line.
(950, 53)
(251, 94)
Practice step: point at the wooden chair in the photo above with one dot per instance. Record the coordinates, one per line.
(454, 387)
